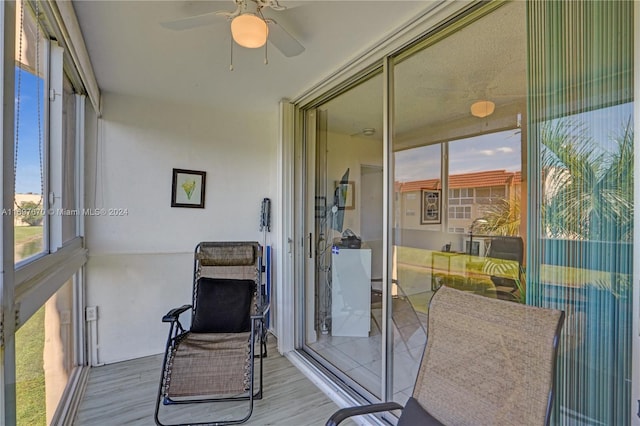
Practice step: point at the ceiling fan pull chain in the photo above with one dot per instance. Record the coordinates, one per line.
(231, 64)
(18, 102)
(266, 59)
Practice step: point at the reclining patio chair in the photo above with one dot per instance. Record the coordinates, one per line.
(487, 362)
(214, 359)
(504, 264)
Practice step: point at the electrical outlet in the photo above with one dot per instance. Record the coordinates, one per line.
(91, 313)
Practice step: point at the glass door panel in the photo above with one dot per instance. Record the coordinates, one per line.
(344, 304)
(457, 150)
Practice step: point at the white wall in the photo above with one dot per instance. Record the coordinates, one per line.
(344, 151)
(140, 264)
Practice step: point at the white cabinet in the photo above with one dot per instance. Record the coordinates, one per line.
(350, 292)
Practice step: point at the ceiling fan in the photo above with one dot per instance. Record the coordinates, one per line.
(249, 28)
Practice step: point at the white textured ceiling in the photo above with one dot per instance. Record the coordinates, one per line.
(435, 88)
(132, 54)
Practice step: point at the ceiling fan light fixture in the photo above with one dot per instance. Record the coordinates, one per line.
(249, 30)
(482, 109)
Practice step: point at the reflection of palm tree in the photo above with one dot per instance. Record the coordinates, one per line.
(502, 218)
(588, 193)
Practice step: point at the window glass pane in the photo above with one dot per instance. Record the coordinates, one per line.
(343, 320)
(501, 163)
(434, 90)
(44, 358)
(30, 202)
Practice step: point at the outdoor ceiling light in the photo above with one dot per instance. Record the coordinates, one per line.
(482, 109)
(249, 30)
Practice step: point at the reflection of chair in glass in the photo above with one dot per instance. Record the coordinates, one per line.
(505, 275)
(487, 362)
(214, 360)
(405, 319)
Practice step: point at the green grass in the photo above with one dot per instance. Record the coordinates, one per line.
(25, 233)
(28, 241)
(30, 387)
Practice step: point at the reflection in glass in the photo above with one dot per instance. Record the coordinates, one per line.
(346, 298)
(474, 161)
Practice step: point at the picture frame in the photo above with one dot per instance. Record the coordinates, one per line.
(188, 188)
(430, 207)
(348, 194)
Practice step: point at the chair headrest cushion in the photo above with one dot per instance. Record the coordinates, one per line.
(229, 255)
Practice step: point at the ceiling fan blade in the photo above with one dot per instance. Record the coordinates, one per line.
(194, 21)
(283, 41)
(201, 20)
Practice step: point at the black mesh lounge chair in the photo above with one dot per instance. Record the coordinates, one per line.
(486, 362)
(504, 264)
(214, 360)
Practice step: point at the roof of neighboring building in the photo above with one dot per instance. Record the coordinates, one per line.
(465, 180)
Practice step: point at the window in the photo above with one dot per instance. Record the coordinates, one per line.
(30, 144)
(45, 285)
(484, 176)
(45, 358)
(491, 195)
(462, 212)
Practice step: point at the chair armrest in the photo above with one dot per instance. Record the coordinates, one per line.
(345, 413)
(262, 314)
(173, 314)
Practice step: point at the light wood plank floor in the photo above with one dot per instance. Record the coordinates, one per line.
(124, 394)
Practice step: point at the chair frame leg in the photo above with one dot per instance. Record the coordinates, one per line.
(253, 394)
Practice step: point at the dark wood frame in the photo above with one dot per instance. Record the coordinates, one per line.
(427, 210)
(174, 188)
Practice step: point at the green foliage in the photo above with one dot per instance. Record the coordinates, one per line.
(588, 192)
(31, 213)
(23, 234)
(502, 218)
(30, 386)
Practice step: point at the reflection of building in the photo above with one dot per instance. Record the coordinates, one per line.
(468, 196)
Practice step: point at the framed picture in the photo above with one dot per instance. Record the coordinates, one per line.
(346, 195)
(431, 211)
(187, 188)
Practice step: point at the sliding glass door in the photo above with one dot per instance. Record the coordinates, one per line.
(457, 155)
(508, 153)
(343, 293)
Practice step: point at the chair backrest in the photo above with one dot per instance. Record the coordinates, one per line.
(488, 361)
(231, 260)
(228, 259)
(508, 248)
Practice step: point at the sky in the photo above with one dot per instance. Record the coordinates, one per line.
(494, 151)
(502, 150)
(28, 159)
